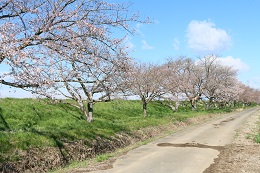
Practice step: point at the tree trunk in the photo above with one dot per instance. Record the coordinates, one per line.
(90, 112)
(193, 104)
(211, 102)
(177, 104)
(87, 112)
(145, 108)
(84, 111)
(234, 103)
(172, 107)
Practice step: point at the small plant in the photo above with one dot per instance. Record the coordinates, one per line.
(102, 157)
(227, 110)
(257, 138)
(248, 136)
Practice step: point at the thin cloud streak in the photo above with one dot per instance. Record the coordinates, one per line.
(146, 46)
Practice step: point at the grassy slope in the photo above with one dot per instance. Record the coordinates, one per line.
(29, 123)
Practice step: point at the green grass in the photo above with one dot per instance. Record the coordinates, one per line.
(257, 136)
(103, 157)
(30, 123)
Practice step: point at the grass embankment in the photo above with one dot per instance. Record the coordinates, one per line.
(31, 123)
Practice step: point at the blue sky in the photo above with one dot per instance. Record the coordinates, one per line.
(193, 28)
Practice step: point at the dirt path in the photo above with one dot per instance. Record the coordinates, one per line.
(223, 144)
(243, 154)
(196, 148)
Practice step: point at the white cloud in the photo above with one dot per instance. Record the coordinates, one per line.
(146, 46)
(236, 63)
(176, 44)
(204, 37)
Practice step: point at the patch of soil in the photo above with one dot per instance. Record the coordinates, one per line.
(237, 158)
(243, 154)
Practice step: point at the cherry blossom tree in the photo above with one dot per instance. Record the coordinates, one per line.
(191, 81)
(229, 95)
(183, 81)
(146, 81)
(174, 74)
(66, 47)
(217, 79)
(204, 78)
(248, 95)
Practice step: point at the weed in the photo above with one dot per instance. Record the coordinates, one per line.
(248, 136)
(257, 138)
(103, 157)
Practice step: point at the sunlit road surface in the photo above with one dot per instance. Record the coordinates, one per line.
(188, 151)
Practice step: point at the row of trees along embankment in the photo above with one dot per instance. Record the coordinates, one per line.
(77, 50)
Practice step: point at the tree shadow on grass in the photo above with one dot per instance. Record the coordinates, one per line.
(58, 131)
(58, 143)
(67, 108)
(4, 125)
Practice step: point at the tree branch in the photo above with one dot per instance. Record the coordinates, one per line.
(18, 85)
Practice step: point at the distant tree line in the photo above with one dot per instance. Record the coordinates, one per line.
(69, 49)
(184, 79)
